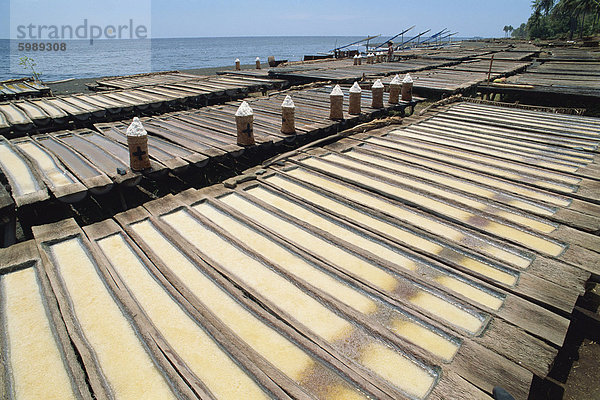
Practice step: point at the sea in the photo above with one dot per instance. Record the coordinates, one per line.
(58, 60)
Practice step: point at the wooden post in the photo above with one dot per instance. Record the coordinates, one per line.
(271, 61)
(288, 111)
(490, 70)
(237, 64)
(407, 86)
(377, 94)
(356, 59)
(395, 87)
(355, 99)
(257, 62)
(360, 59)
(137, 142)
(336, 103)
(244, 120)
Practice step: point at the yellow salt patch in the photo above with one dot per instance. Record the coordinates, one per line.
(529, 222)
(460, 184)
(417, 198)
(447, 311)
(338, 256)
(504, 231)
(32, 347)
(341, 392)
(289, 261)
(400, 234)
(478, 166)
(263, 339)
(482, 149)
(282, 353)
(274, 287)
(489, 271)
(526, 239)
(405, 374)
(309, 195)
(419, 220)
(528, 192)
(425, 338)
(126, 365)
(22, 181)
(225, 379)
(471, 292)
(503, 164)
(46, 164)
(305, 215)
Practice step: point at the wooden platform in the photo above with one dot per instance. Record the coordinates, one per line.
(435, 260)
(66, 166)
(464, 79)
(22, 88)
(147, 96)
(345, 71)
(33, 333)
(571, 75)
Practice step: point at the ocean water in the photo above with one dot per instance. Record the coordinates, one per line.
(80, 59)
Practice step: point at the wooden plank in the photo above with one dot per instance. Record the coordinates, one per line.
(85, 325)
(110, 165)
(24, 257)
(27, 187)
(261, 320)
(93, 178)
(170, 204)
(185, 359)
(63, 185)
(195, 198)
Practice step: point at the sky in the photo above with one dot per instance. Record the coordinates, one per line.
(203, 18)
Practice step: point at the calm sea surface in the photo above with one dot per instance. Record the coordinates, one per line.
(80, 59)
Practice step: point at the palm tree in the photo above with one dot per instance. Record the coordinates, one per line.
(505, 29)
(544, 6)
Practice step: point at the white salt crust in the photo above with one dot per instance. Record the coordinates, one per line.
(355, 88)
(407, 79)
(337, 91)
(136, 128)
(396, 80)
(244, 110)
(288, 102)
(377, 84)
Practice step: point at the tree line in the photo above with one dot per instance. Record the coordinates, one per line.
(563, 19)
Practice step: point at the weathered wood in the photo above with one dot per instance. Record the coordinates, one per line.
(101, 230)
(284, 323)
(179, 288)
(48, 235)
(37, 193)
(26, 255)
(192, 197)
(374, 325)
(69, 193)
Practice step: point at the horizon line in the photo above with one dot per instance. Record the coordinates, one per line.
(225, 37)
